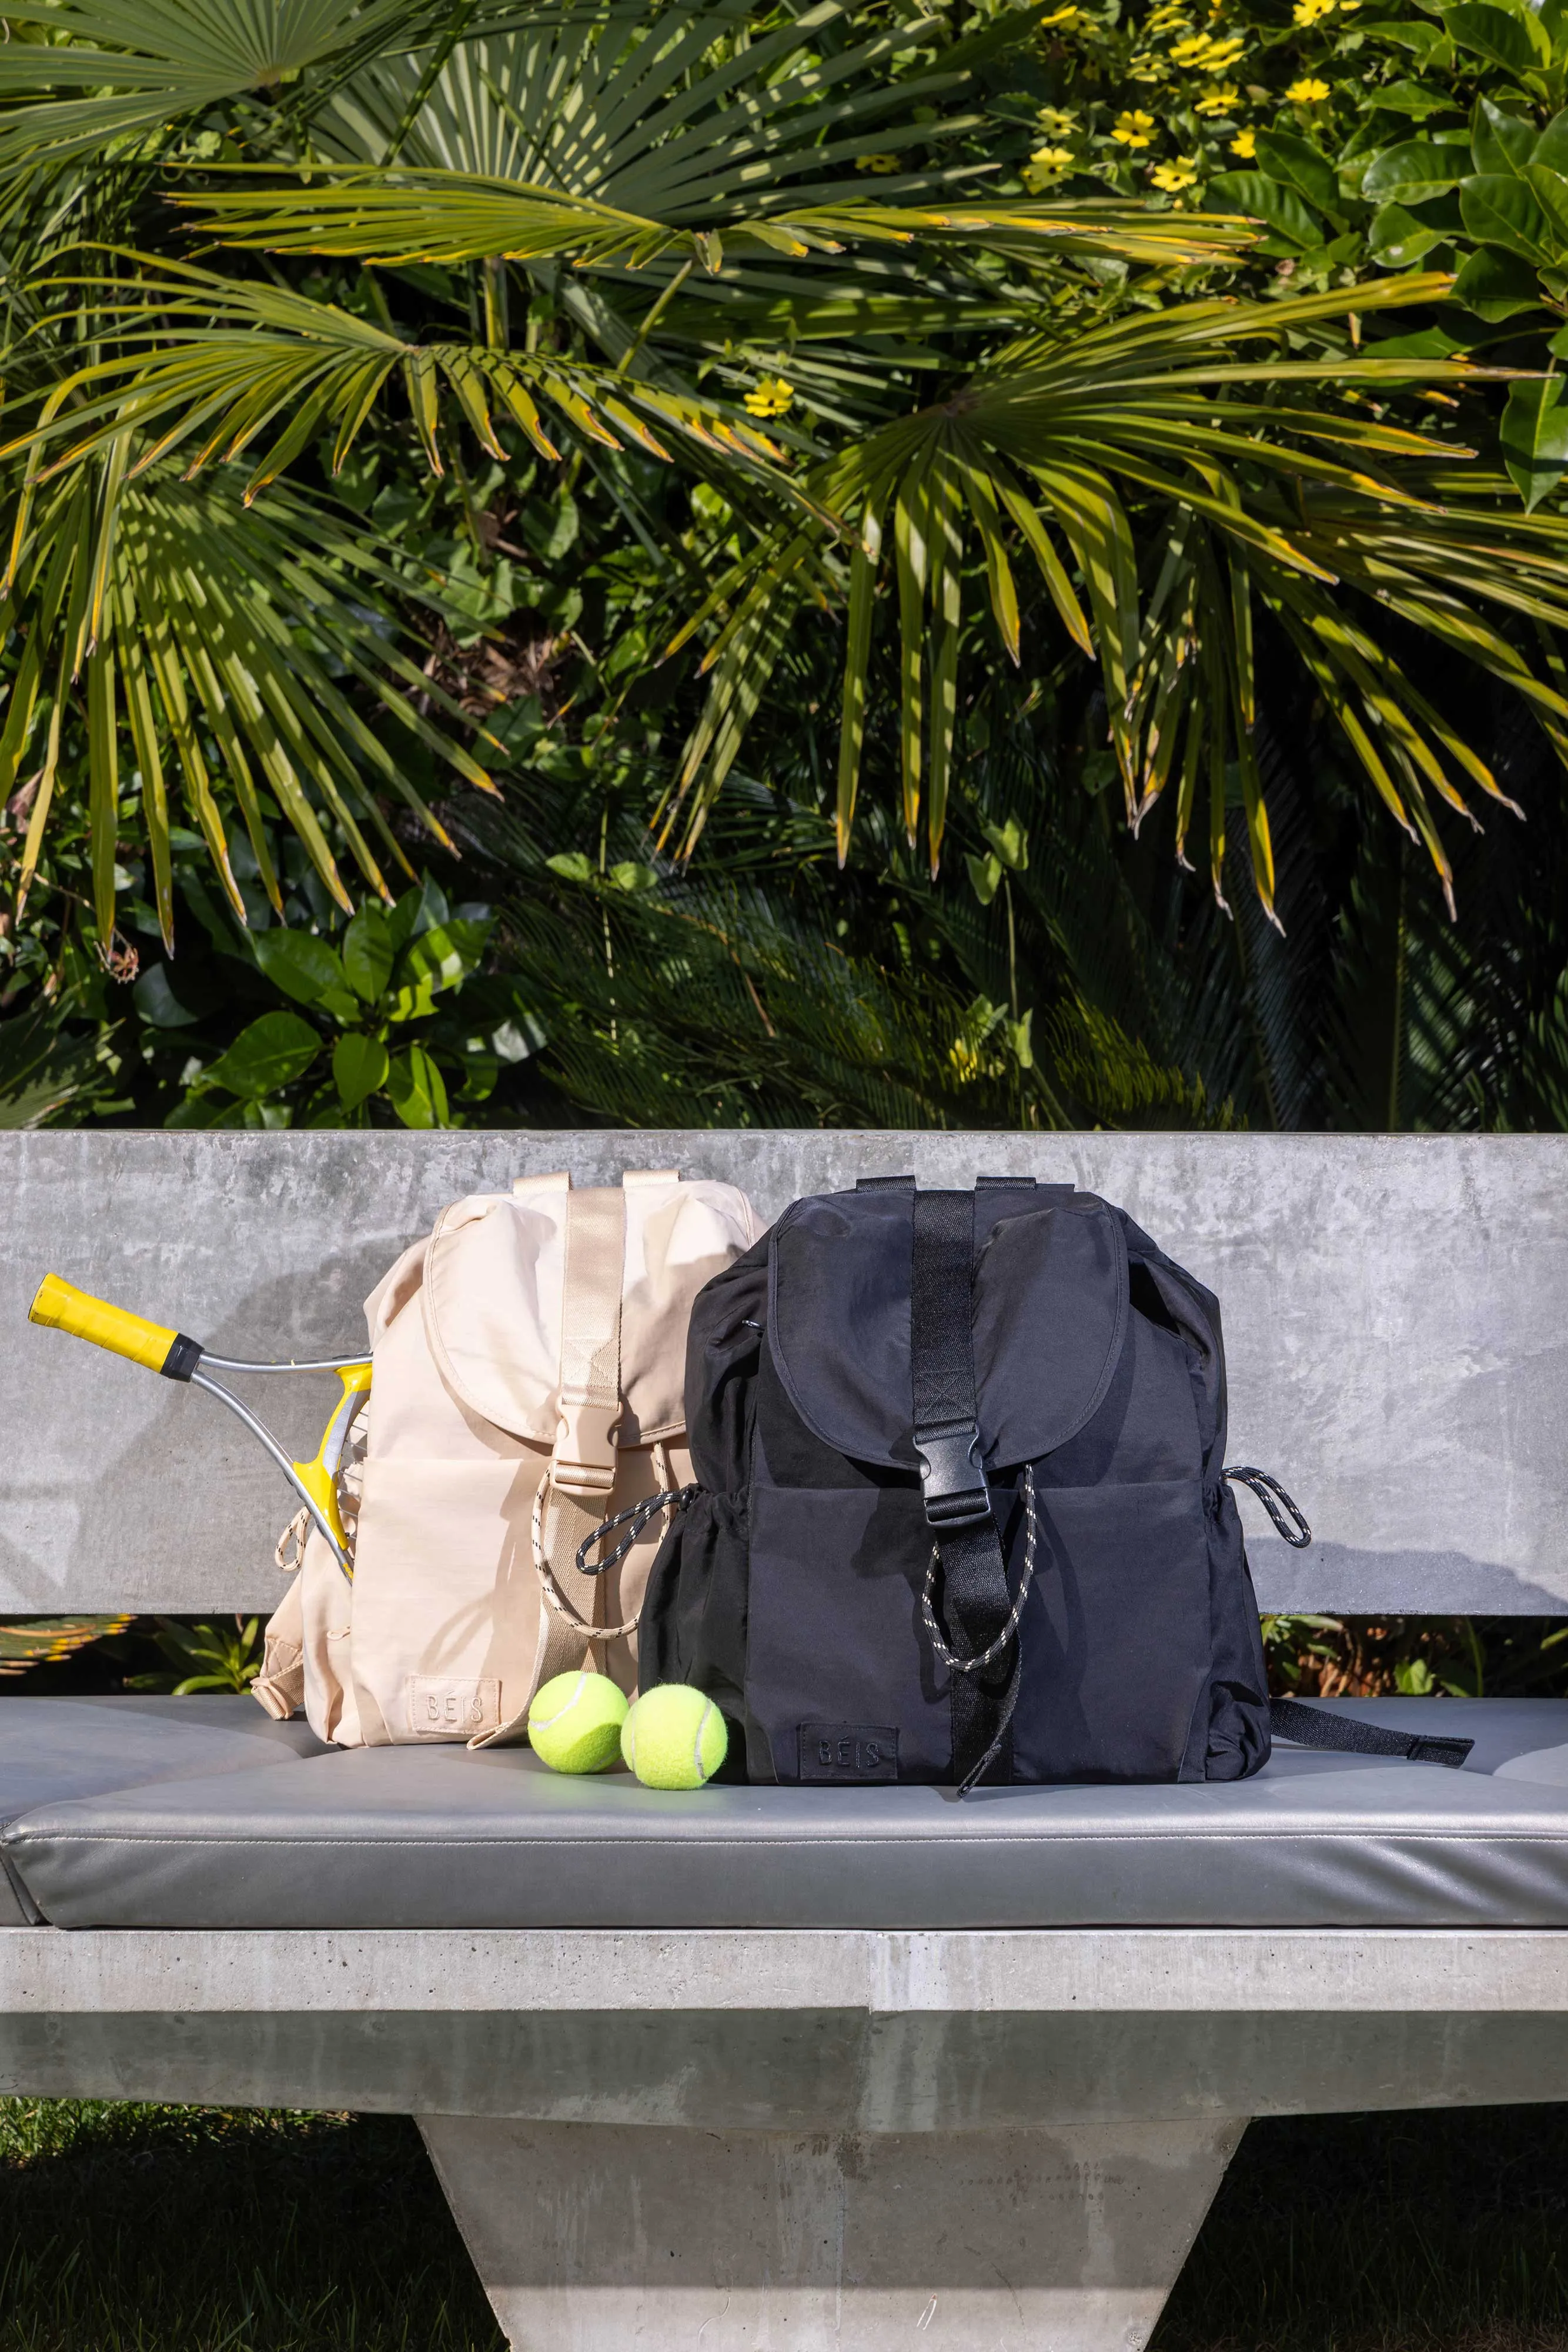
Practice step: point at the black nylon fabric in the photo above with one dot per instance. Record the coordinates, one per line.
(823, 1364)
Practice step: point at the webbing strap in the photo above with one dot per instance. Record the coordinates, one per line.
(1310, 1727)
(974, 1598)
(573, 1496)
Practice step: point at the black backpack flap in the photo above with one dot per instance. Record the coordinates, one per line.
(1050, 1319)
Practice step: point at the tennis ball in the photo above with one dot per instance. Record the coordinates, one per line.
(574, 1722)
(673, 1737)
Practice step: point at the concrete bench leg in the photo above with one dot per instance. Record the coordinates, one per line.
(591, 2237)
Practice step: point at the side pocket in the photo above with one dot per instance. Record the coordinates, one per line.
(693, 1625)
(1229, 1736)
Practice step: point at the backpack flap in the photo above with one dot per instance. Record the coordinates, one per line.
(494, 1293)
(1050, 1319)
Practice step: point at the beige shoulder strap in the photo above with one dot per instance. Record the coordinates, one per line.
(574, 1496)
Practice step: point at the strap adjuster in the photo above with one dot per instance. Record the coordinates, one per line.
(1428, 1749)
(583, 1462)
(956, 1495)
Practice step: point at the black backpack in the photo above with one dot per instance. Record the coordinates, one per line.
(962, 1512)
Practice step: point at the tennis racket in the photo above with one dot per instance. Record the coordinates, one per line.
(60, 1306)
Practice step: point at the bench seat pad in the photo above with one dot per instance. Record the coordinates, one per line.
(436, 1837)
(53, 1748)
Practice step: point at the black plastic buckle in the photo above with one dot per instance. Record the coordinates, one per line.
(956, 1495)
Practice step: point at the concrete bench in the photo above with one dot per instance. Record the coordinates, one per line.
(815, 2068)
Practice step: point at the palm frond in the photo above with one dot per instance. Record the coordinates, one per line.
(45, 1640)
(135, 65)
(184, 633)
(1162, 417)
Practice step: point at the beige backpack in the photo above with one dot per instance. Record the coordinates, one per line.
(528, 1363)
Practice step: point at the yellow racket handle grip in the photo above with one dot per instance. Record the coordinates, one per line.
(62, 1308)
(320, 1477)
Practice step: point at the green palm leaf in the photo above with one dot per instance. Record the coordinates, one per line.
(141, 64)
(1074, 441)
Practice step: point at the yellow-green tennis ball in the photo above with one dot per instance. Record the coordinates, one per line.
(574, 1722)
(673, 1737)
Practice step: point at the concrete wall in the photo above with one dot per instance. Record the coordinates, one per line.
(1395, 1310)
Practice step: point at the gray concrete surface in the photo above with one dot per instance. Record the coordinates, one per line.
(1393, 1311)
(589, 2240)
(804, 2031)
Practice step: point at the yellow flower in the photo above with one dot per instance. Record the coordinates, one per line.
(1146, 67)
(1133, 128)
(1162, 19)
(1307, 12)
(1244, 144)
(771, 397)
(1045, 167)
(1059, 18)
(877, 163)
(1220, 98)
(1055, 121)
(1223, 52)
(1308, 91)
(1174, 177)
(1191, 51)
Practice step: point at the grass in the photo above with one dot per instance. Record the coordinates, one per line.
(1445, 2232)
(134, 2229)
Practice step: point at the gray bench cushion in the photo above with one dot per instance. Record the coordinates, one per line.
(435, 1837)
(69, 1749)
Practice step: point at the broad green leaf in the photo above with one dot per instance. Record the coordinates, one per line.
(1498, 141)
(571, 865)
(1551, 189)
(1417, 99)
(1497, 285)
(304, 967)
(1413, 33)
(367, 951)
(632, 874)
(1398, 237)
(157, 1003)
(1294, 163)
(271, 1053)
(417, 911)
(1551, 147)
(1535, 437)
(1010, 843)
(438, 960)
(1515, 43)
(360, 1067)
(1264, 199)
(985, 875)
(417, 1089)
(1412, 173)
(1498, 210)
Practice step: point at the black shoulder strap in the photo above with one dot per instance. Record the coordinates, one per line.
(974, 1598)
(1309, 1726)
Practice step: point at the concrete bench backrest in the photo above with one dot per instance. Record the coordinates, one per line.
(1395, 1316)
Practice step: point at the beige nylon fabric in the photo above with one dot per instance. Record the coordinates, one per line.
(530, 1352)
